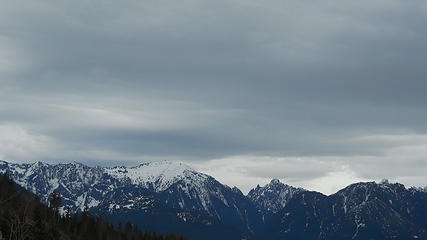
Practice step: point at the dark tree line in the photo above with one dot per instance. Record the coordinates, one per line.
(24, 217)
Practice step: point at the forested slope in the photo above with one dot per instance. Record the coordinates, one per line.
(24, 217)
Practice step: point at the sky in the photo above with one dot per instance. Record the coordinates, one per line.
(319, 94)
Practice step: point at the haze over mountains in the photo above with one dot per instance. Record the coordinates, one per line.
(170, 196)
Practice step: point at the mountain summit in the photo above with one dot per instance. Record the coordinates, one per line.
(272, 197)
(157, 176)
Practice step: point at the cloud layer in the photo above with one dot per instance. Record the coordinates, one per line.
(331, 88)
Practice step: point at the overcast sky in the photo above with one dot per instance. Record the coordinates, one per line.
(319, 94)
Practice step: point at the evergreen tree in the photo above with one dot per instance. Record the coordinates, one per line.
(39, 231)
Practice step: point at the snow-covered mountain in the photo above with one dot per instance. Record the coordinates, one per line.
(79, 185)
(173, 196)
(143, 187)
(273, 196)
(157, 176)
(82, 186)
(181, 187)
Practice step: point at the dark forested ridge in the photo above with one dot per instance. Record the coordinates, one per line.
(24, 217)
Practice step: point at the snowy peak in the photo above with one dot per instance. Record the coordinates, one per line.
(139, 188)
(82, 186)
(273, 196)
(155, 175)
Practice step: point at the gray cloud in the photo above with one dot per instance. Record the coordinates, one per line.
(195, 81)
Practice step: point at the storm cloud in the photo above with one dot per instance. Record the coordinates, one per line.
(322, 89)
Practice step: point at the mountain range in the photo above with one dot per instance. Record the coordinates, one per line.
(170, 196)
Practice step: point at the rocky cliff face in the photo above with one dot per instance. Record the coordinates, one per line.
(272, 197)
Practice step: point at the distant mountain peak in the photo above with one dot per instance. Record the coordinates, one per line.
(384, 181)
(275, 181)
(176, 167)
(273, 196)
(157, 174)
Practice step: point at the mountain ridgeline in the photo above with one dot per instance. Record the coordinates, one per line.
(24, 217)
(172, 197)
